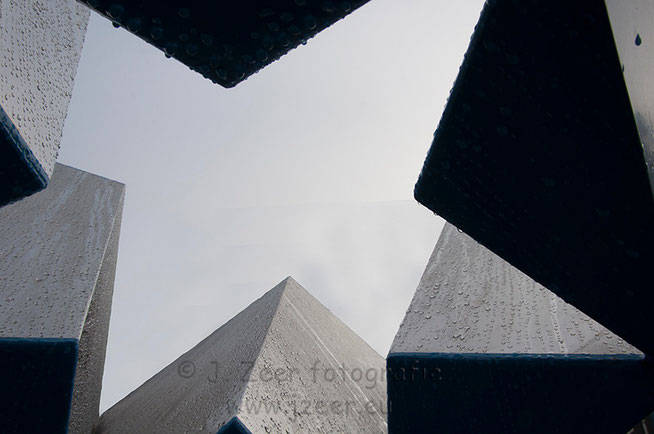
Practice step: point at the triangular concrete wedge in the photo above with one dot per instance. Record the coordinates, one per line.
(484, 348)
(284, 364)
(225, 41)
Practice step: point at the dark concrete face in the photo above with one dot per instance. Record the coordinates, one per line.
(513, 394)
(538, 157)
(268, 369)
(21, 173)
(57, 262)
(226, 42)
(484, 348)
(37, 378)
(234, 426)
(40, 46)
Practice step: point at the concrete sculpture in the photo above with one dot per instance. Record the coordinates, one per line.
(284, 364)
(58, 255)
(544, 153)
(484, 348)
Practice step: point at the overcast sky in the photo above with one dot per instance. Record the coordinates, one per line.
(305, 169)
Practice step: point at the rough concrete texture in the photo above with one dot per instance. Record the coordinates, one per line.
(40, 46)
(225, 41)
(484, 348)
(470, 300)
(284, 364)
(57, 262)
(542, 152)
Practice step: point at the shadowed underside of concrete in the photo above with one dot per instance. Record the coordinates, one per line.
(225, 41)
(544, 153)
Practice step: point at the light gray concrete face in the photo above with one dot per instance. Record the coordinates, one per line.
(57, 262)
(324, 367)
(284, 364)
(40, 46)
(470, 300)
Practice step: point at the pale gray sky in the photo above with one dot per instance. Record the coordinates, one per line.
(305, 169)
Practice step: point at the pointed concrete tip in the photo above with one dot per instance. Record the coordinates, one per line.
(284, 284)
(289, 279)
(290, 284)
(222, 383)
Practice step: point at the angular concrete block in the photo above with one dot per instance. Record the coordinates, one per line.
(284, 364)
(484, 348)
(40, 46)
(544, 152)
(57, 262)
(226, 42)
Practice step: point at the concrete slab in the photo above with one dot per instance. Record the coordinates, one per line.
(284, 364)
(57, 263)
(544, 150)
(226, 42)
(484, 348)
(40, 46)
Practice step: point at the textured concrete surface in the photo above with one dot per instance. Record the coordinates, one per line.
(470, 300)
(284, 364)
(57, 263)
(541, 155)
(40, 46)
(225, 41)
(484, 348)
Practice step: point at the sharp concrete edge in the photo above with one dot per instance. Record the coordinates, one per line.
(93, 341)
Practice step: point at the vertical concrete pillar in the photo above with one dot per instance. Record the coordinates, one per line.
(57, 262)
